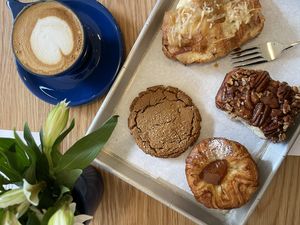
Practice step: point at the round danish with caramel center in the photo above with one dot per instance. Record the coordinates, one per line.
(221, 173)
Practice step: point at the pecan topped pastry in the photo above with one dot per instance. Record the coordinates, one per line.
(269, 107)
(221, 173)
(204, 30)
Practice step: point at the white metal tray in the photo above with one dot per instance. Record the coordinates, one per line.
(164, 179)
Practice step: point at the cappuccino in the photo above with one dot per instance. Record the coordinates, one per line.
(47, 38)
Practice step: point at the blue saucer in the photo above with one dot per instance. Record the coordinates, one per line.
(97, 74)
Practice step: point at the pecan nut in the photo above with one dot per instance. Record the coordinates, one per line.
(287, 122)
(261, 114)
(271, 129)
(296, 104)
(270, 100)
(286, 108)
(245, 113)
(273, 86)
(254, 97)
(261, 81)
(248, 102)
(283, 92)
(276, 113)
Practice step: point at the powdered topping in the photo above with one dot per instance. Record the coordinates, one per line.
(219, 149)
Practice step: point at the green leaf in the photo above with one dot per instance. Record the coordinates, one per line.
(29, 152)
(4, 157)
(13, 161)
(84, 151)
(63, 190)
(2, 189)
(55, 154)
(1, 215)
(42, 165)
(30, 140)
(64, 134)
(68, 177)
(42, 168)
(19, 141)
(3, 181)
(6, 143)
(48, 214)
(8, 173)
(41, 138)
(15, 158)
(30, 172)
(20, 161)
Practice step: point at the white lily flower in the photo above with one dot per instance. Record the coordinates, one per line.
(12, 197)
(10, 219)
(22, 209)
(73, 207)
(79, 219)
(63, 216)
(32, 192)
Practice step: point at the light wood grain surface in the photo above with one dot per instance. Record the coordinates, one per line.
(123, 204)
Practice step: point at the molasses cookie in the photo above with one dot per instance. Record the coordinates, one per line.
(221, 173)
(164, 121)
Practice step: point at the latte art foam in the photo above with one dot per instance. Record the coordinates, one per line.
(51, 38)
(47, 38)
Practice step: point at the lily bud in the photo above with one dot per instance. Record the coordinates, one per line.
(63, 216)
(12, 197)
(10, 219)
(55, 123)
(31, 192)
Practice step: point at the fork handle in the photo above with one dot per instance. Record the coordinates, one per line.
(292, 45)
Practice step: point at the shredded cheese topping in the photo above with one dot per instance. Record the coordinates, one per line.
(194, 16)
(236, 15)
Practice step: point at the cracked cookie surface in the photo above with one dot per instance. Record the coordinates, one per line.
(164, 121)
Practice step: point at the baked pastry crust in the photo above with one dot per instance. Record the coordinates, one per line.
(164, 121)
(200, 31)
(267, 106)
(235, 186)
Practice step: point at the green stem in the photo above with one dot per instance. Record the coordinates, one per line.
(47, 151)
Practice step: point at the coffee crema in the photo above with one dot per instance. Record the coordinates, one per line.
(47, 38)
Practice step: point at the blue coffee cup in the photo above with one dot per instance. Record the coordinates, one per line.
(77, 69)
(96, 68)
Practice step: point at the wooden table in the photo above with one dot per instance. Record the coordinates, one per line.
(123, 204)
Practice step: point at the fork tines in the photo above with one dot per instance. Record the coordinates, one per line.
(247, 57)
